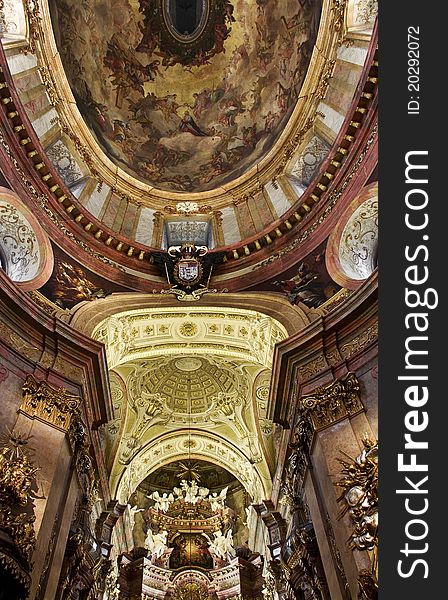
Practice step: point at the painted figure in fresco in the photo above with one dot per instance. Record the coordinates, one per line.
(71, 285)
(202, 101)
(133, 114)
(179, 556)
(270, 120)
(303, 287)
(100, 111)
(190, 549)
(120, 128)
(202, 555)
(188, 125)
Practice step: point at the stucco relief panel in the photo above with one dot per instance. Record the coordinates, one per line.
(19, 244)
(359, 242)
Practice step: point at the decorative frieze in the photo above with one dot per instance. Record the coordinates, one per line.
(360, 341)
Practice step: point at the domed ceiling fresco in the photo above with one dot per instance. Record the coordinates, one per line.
(186, 95)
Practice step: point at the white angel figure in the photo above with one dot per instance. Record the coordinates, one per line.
(178, 492)
(222, 545)
(191, 491)
(161, 502)
(250, 515)
(156, 543)
(217, 500)
(133, 510)
(203, 492)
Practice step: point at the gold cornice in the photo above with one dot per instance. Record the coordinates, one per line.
(330, 403)
(54, 407)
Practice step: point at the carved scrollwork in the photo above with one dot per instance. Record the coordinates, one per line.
(19, 244)
(302, 563)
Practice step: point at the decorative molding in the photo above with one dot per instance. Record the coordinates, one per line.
(291, 147)
(33, 16)
(237, 333)
(50, 86)
(202, 445)
(326, 76)
(334, 301)
(332, 28)
(336, 554)
(360, 341)
(338, 9)
(332, 200)
(43, 201)
(83, 151)
(55, 407)
(317, 365)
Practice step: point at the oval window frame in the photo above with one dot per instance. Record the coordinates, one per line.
(186, 39)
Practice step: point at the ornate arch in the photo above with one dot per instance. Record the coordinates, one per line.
(197, 445)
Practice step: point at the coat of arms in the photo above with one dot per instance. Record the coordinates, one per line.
(188, 271)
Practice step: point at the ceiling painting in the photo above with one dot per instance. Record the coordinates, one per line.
(307, 282)
(71, 282)
(186, 96)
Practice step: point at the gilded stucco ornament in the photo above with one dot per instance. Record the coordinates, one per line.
(163, 391)
(199, 444)
(330, 403)
(17, 492)
(359, 482)
(55, 407)
(359, 500)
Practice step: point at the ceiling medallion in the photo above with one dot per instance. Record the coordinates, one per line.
(188, 364)
(185, 32)
(188, 329)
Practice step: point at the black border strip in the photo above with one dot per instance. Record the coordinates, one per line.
(404, 29)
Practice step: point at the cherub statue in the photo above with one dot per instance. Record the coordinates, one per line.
(161, 502)
(222, 545)
(217, 500)
(156, 543)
